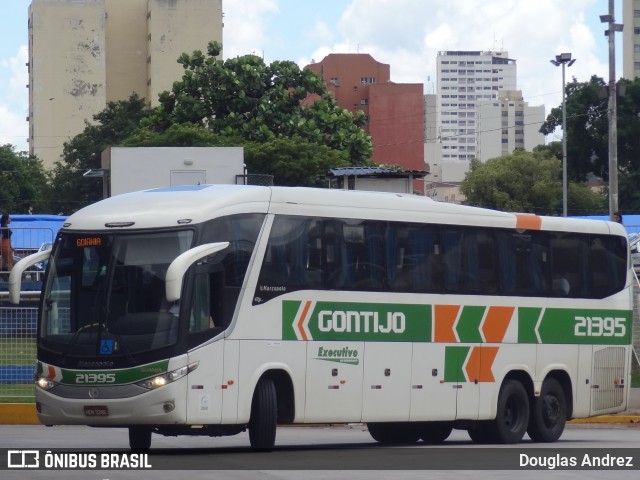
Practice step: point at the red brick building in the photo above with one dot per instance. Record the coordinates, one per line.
(395, 111)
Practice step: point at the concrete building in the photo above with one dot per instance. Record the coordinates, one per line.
(508, 123)
(395, 111)
(630, 39)
(464, 79)
(85, 53)
(476, 113)
(130, 169)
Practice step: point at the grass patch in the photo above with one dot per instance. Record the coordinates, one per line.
(17, 351)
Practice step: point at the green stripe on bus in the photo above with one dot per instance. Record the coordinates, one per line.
(113, 376)
(346, 321)
(527, 321)
(454, 358)
(468, 327)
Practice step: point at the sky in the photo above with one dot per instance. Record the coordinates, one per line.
(406, 34)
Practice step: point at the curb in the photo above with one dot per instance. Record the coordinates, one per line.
(18, 414)
(623, 419)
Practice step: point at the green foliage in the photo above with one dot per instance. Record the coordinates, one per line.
(588, 134)
(116, 122)
(526, 182)
(293, 162)
(180, 135)
(23, 182)
(243, 97)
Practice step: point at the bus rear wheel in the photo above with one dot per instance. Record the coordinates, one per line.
(264, 416)
(548, 413)
(394, 432)
(139, 438)
(512, 416)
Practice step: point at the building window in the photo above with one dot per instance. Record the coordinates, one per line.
(364, 101)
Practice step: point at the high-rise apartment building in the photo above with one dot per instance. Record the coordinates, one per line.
(631, 39)
(395, 111)
(464, 80)
(85, 53)
(477, 113)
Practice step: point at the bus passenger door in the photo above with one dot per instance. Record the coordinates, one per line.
(334, 381)
(205, 317)
(387, 376)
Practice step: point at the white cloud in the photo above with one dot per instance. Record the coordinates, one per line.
(408, 34)
(245, 26)
(14, 100)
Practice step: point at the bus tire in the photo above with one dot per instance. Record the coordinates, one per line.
(482, 432)
(394, 432)
(548, 413)
(435, 432)
(264, 416)
(139, 438)
(512, 416)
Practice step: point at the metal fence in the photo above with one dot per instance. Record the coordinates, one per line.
(17, 350)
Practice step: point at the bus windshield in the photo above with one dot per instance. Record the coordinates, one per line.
(105, 295)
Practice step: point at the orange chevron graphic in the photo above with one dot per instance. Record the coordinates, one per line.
(444, 318)
(300, 323)
(479, 364)
(496, 323)
(51, 372)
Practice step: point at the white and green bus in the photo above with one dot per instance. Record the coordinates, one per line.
(209, 310)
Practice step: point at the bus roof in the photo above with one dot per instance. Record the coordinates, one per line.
(171, 206)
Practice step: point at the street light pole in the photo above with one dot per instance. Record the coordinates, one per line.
(564, 59)
(613, 115)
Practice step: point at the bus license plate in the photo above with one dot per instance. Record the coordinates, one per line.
(96, 411)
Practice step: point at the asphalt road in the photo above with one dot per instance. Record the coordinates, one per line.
(326, 452)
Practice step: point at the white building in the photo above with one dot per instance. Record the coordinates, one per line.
(85, 53)
(630, 38)
(477, 113)
(464, 79)
(508, 123)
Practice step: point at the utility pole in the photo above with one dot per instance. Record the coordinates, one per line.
(613, 116)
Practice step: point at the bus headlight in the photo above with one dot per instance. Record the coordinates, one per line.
(166, 378)
(45, 383)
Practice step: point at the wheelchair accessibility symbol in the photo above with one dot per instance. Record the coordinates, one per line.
(106, 347)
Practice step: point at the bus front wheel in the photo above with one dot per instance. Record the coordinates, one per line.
(548, 413)
(264, 416)
(139, 438)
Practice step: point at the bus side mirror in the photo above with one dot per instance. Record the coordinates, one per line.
(177, 269)
(15, 277)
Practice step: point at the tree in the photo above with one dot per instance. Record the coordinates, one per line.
(293, 162)
(526, 182)
(587, 134)
(244, 97)
(23, 182)
(116, 122)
